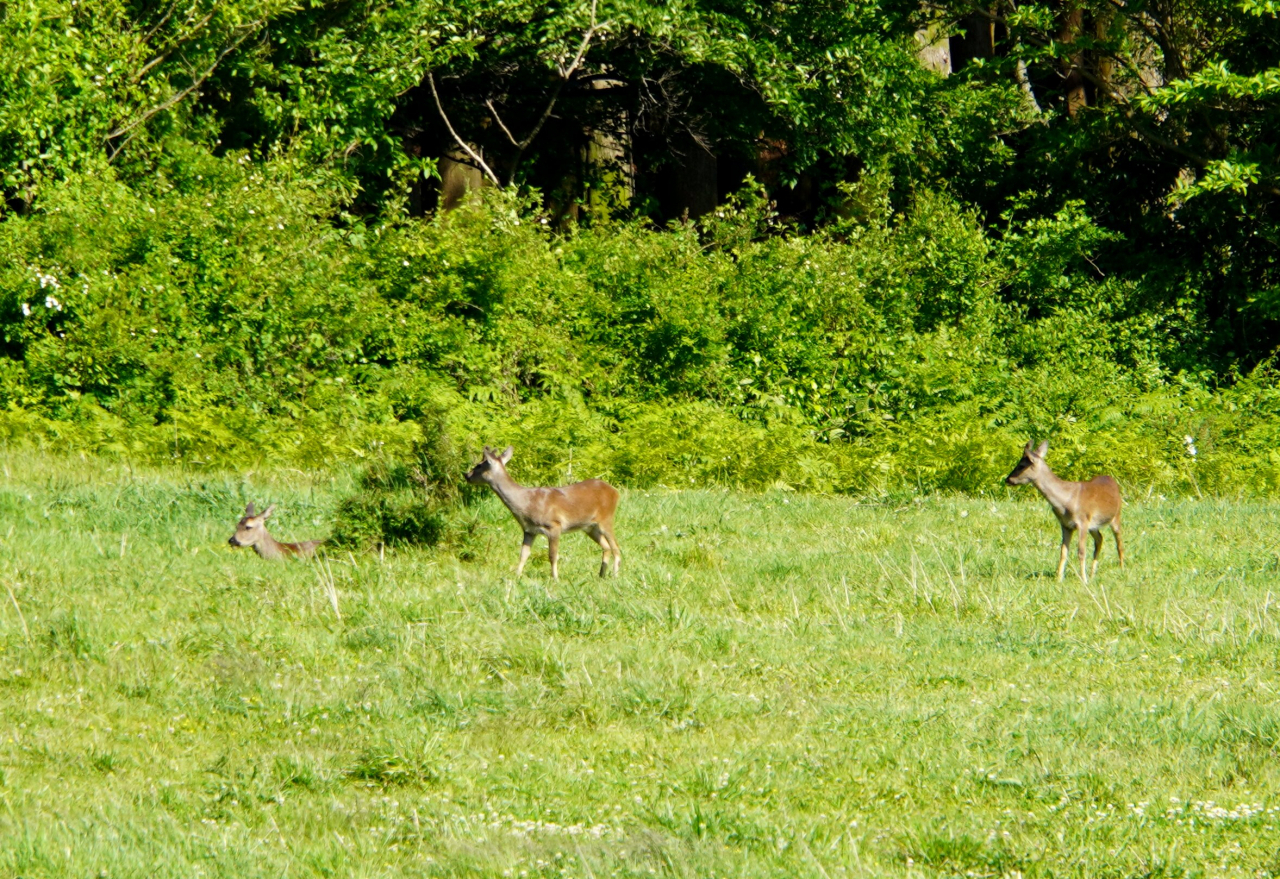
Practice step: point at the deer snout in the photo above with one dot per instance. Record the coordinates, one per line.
(232, 540)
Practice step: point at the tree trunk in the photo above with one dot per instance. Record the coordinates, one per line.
(694, 188)
(458, 177)
(933, 51)
(610, 173)
(1073, 80)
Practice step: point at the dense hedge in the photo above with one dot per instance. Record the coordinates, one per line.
(225, 314)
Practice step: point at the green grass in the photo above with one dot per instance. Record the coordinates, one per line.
(777, 685)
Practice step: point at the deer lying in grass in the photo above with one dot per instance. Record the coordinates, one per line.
(1080, 506)
(252, 531)
(584, 506)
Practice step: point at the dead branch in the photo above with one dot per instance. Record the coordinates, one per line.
(475, 157)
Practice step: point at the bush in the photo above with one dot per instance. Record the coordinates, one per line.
(418, 502)
(227, 314)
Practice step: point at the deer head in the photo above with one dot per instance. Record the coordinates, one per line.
(1030, 466)
(491, 466)
(252, 528)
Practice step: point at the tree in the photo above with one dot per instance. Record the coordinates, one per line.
(1162, 116)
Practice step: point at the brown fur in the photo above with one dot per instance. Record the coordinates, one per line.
(1086, 507)
(584, 506)
(252, 531)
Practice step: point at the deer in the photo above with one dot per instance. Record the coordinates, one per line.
(584, 506)
(1080, 506)
(252, 531)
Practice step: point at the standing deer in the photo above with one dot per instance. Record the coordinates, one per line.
(252, 531)
(1080, 506)
(584, 506)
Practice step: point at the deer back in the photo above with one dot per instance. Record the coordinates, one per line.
(1100, 497)
(573, 506)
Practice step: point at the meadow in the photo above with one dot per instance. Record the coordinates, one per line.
(777, 685)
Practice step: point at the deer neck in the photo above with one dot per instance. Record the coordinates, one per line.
(511, 493)
(268, 547)
(1060, 493)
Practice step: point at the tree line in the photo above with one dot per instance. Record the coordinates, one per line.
(178, 174)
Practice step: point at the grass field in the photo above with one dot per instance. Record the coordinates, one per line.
(777, 685)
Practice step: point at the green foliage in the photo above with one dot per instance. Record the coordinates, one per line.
(411, 501)
(895, 351)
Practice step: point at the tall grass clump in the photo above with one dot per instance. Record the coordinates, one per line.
(415, 500)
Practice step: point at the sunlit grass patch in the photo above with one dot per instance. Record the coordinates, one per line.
(777, 684)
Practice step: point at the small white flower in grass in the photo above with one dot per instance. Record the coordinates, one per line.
(53, 304)
(405, 262)
(1190, 444)
(26, 309)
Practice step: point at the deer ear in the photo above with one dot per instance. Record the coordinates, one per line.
(248, 510)
(1042, 449)
(1026, 450)
(268, 511)
(506, 455)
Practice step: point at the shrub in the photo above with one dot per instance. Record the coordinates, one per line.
(227, 313)
(413, 502)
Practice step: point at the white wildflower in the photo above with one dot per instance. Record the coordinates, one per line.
(26, 309)
(1190, 444)
(52, 304)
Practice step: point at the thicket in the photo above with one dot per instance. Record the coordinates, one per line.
(215, 245)
(217, 316)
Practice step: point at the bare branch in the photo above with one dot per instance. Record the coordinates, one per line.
(586, 42)
(565, 75)
(164, 19)
(197, 81)
(466, 148)
(507, 131)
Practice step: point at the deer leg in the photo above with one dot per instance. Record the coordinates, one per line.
(553, 553)
(1084, 538)
(597, 534)
(1115, 531)
(1097, 548)
(606, 528)
(1062, 555)
(525, 547)
(617, 551)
